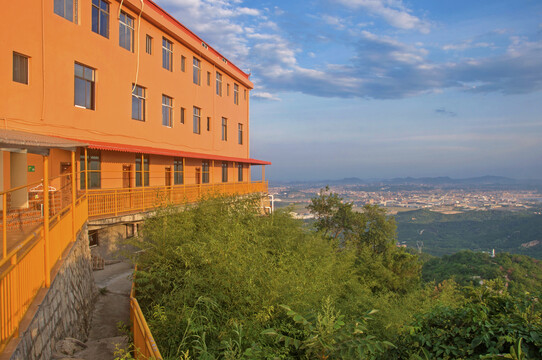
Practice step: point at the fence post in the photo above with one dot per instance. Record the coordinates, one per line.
(4, 225)
(47, 260)
(116, 202)
(74, 189)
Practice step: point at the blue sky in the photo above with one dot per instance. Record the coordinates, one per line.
(385, 88)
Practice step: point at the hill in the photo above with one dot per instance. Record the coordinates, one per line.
(442, 234)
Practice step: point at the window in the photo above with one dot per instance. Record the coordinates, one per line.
(20, 68)
(142, 172)
(240, 134)
(167, 54)
(148, 44)
(178, 171)
(197, 120)
(236, 94)
(94, 169)
(126, 31)
(67, 9)
(167, 111)
(182, 115)
(196, 78)
(208, 78)
(224, 129)
(183, 63)
(93, 238)
(244, 94)
(228, 89)
(138, 103)
(224, 172)
(219, 84)
(130, 230)
(84, 87)
(239, 172)
(204, 172)
(208, 124)
(100, 17)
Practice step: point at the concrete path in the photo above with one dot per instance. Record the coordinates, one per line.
(112, 306)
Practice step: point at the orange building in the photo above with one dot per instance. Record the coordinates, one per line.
(151, 102)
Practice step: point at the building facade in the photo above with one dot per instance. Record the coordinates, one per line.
(156, 105)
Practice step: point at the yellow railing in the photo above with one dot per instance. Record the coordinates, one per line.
(113, 202)
(144, 345)
(26, 266)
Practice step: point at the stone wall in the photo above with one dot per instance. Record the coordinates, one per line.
(66, 309)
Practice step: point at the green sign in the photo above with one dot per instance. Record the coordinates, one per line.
(31, 168)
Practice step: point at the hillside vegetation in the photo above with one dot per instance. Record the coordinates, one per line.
(443, 234)
(220, 281)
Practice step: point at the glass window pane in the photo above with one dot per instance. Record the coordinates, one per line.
(95, 19)
(104, 23)
(59, 7)
(79, 92)
(79, 70)
(69, 10)
(88, 93)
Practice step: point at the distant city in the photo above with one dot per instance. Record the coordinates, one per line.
(444, 195)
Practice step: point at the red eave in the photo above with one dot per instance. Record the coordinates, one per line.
(168, 152)
(187, 31)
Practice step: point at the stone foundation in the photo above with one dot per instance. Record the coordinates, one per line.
(66, 309)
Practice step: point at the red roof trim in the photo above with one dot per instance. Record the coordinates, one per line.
(192, 35)
(168, 152)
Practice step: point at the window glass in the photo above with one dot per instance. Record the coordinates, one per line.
(224, 172)
(197, 120)
(196, 76)
(100, 17)
(67, 9)
(219, 84)
(148, 44)
(126, 31)
(167, 54)
(142, 172)
(93, 165)
(20, 68)
(167, 111)
(84, 86)
(224, 129)
(204, 172)
(138, 103)
(178, 171)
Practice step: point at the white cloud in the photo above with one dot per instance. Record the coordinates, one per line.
(392, 11)
(467, 44)
(264, 96)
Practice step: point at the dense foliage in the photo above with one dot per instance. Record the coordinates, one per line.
(220, 280)
(520, 273)
(445, 234)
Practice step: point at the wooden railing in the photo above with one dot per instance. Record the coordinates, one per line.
(27, 267)
(114, 202)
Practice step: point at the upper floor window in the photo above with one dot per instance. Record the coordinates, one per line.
(178, 171)
(224, 172)
(208, 78)
(183, 63)
(236, 94)
(182, 115)
(148, 44)
(228, 89)
(205, 172)
(196, 78)
(240, 134)
(224, 129)
(67, 9)
(84, 86)
(126, 31)
(138, 103)
(208, 124)
(167, 54)
(244, 94)
(167, 111)
(20, 68)
(219, 84)
(197, 120)
(100, 17)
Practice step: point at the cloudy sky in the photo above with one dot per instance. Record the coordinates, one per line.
(385, 88)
